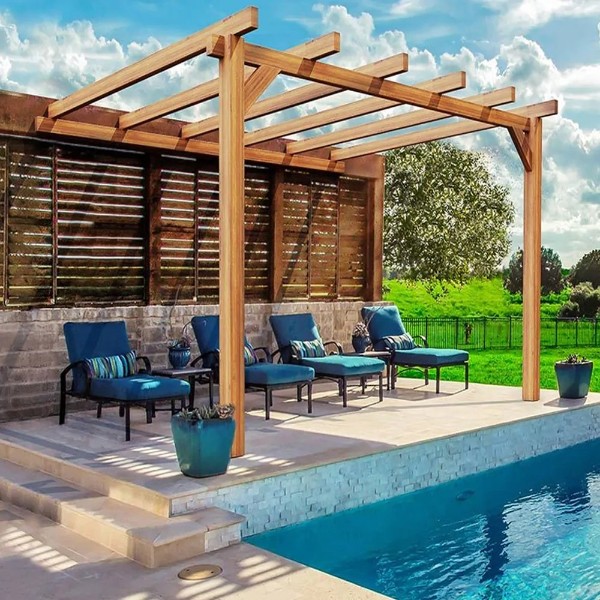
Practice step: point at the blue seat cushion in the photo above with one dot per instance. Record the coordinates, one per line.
(430, 357)
(344, 366)
(139, 388)
(270, 374)
(382, 321)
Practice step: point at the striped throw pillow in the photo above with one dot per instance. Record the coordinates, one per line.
(400, 342)
(112, 367)
(250, 357)
(312, 349)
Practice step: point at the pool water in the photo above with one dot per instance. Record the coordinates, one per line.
(529, 530)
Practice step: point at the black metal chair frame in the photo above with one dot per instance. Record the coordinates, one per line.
(124, 406)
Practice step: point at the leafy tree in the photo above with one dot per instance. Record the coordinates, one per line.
(587, 269)
(552, 277)
(445, 217)
(584, 301)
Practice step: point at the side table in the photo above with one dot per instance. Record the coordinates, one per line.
(192, 373)
(383, 355)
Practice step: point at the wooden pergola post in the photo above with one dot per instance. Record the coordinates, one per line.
(231, 232)
(532, 262)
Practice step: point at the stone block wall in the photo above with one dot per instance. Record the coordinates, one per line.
(33, 352)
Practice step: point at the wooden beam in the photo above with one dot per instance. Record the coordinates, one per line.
(410, 119)
(521, 142)
(532, 264)
(276, 249)
(447, 83)
(543, 109)
(375, 234)
(242, 22)
(380, 88)
(317, 48)
(382, 68)
(173, 143)
(153, 199)
(231, 234)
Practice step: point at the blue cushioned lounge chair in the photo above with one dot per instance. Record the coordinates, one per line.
(261, 375)
(89, 343)
(299, 342)
(384, 324)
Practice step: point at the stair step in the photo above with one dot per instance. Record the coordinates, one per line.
(142, 536)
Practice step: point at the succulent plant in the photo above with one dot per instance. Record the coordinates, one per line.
(204, 413)
(360, 330)
(574, 359)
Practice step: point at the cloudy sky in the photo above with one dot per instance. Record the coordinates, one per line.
(546, 48)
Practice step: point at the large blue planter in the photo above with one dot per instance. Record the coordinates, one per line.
(203, 447)
(573, 378)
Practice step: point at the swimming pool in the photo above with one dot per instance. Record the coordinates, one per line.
(527, 530)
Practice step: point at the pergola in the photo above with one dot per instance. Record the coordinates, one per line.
(245, 72)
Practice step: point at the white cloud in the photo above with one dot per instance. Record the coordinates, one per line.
(410, 8)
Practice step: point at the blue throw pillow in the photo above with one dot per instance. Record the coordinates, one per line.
(312, 349)
(399, 342)
(250, 357)
(112, 367)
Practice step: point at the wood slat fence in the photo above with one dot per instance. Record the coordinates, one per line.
(82, 225)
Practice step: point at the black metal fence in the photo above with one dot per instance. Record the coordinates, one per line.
(485, 333)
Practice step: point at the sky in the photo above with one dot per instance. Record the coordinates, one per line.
(546, 48)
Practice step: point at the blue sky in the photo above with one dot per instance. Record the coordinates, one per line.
(547, 48)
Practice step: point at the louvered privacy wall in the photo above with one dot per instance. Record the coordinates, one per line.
(76, 228)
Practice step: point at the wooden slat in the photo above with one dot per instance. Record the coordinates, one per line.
(375, 86)
(447, 83)
(242, 22)
(393, 65)
(410, 119)
(542, 109)
(317, 48)
(172, 143)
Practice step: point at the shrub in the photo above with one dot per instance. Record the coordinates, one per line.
(587, 298)
(569, 310)
(587, 269)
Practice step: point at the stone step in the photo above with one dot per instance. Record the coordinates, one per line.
(147, 538)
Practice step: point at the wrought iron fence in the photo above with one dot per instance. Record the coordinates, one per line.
(486, 333)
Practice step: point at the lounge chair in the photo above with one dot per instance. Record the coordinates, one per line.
(387, 332)
(104, 369)
(260, 374)
(299, 343)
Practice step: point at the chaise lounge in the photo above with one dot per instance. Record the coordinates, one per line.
(260, 375)
(299, 343)
(387, 332)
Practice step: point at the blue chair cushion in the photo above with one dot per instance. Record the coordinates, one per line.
(139, 388)
(430, 357)
(109, 367)
(338, 365)
(93, 339)
(311, 349)
(206, 330)
(300, 327)
(270, 374)
(382, 321)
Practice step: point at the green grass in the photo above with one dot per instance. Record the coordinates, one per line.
(479, 297)
(504, 367)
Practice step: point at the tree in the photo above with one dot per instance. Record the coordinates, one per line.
(584, 301)
(587, 269)
(445, 217)
(552, 277)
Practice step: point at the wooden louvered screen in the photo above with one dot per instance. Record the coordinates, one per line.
(101, 212)
(81, 225)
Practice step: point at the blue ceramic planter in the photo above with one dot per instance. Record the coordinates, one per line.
(573, 379)
(360, 344)
(179, 357)
(203, 447)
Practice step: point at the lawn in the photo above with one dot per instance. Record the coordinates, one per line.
(504, 367)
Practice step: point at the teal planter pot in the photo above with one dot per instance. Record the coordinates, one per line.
(573, 378)
(203, 447)
(179, 357)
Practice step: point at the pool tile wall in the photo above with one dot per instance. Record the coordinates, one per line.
(305, 494)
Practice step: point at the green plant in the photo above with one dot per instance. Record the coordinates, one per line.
(184, 341)
(573, 359)
(587, 269)
(205, 413)
(360, 330)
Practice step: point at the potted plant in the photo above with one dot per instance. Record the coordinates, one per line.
(360, 337)
(573, 375)
(203, 438)
(180, 349)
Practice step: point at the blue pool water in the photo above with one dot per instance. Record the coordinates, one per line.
(530, 530)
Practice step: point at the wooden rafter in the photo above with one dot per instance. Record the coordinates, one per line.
(542, 109)
(175, 144)
(375, 86)
(521, 142)
(318, 48)
(446, 83)
(387, 67)
(410, 119)
(242, 22)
